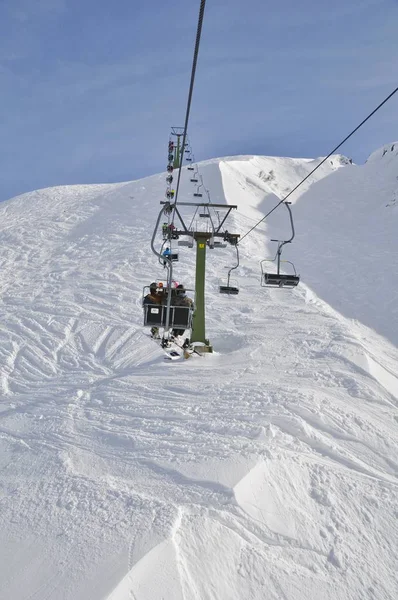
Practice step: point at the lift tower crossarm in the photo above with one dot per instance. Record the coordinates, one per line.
(217, 232)
(209, 204)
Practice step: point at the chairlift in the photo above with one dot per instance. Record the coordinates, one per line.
(187, 243)
(278, 279)
(231, 238)
(212, 243)
(193, 180)
(188, 159)
(155, 315)
(191, 168)
(197, 194)
(231, 286)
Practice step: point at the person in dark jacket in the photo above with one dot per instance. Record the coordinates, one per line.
(181, 299)
(155, 296)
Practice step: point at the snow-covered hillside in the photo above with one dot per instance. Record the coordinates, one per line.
(267, 470)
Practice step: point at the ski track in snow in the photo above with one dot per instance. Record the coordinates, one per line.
(266, 470)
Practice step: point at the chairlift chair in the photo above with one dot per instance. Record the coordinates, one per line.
(197, 194)
(187, 243)
(173, 257)
(155, 315)
(231, 286)
(278, 279)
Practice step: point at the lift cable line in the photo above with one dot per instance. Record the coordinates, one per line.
(191, 86)
(321, 163)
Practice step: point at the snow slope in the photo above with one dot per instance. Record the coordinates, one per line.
(267, 470)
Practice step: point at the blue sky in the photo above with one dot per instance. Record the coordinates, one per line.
(89, 89)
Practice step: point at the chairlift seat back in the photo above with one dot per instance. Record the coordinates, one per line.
(155, 316)
(229, 289)
(281, 280)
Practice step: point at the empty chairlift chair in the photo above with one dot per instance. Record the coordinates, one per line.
(278, 279)
(230, 287)
(197, 193)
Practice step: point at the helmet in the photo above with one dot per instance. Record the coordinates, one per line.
(153, 286)
(180, 291)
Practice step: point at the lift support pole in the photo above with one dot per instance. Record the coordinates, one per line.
(203, 239)
(198, 322)
(179, 151)
(177, 156)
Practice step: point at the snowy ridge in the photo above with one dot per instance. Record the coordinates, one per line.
(268, 470)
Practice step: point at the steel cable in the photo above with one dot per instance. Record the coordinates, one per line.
(321, 163)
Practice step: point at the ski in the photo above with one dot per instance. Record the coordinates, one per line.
(171, 354)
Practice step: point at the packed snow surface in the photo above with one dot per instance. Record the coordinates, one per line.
(267, 470)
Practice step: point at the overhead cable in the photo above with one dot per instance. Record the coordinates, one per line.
(191, 86)
(321, 163)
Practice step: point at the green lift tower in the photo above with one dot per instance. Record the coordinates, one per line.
(204, 239)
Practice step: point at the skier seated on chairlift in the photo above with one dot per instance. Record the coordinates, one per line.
(170, 194)
(155, 295)
(167, 254)
(180, 298)
(170, 168)
(165, 230)
(169, 179)
(174, 235)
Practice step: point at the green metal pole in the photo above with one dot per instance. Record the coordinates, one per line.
(177, 160)
(198, 325)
